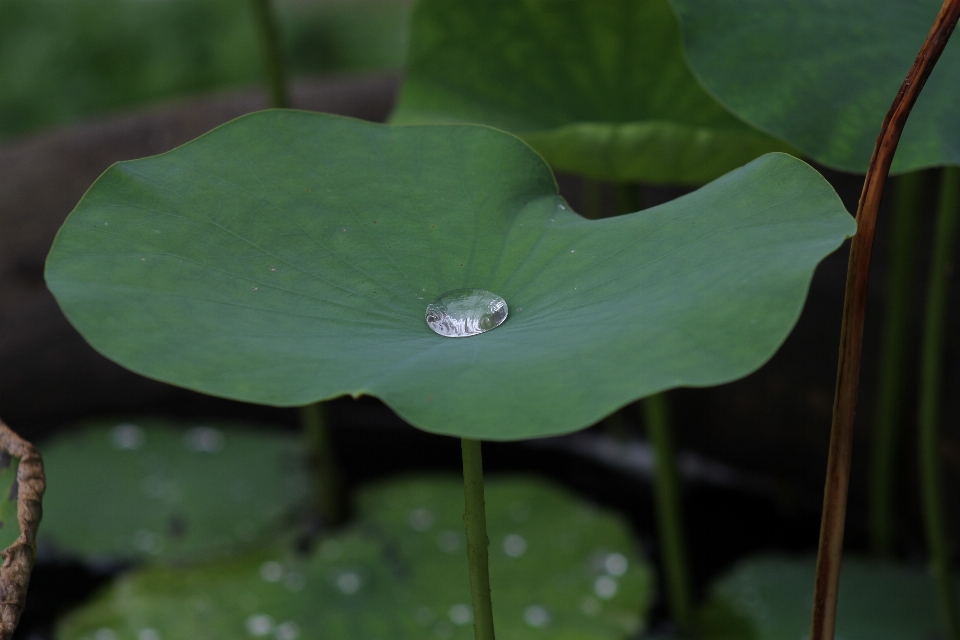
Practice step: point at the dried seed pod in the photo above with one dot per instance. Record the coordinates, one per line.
(19, 557)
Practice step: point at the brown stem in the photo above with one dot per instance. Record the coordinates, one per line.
(851, 332)
(19, 557)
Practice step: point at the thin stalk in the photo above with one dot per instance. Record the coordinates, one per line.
(893, 355)
(666, 487)
(475, 518)
(666, 483)
(830, 548)
(931, 378)
(325, 479)
(273, 66)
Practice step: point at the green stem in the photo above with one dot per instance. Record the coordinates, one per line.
(474, 515)
(272, 53)
(666, 484)
(323, 465)
(931, 370)
(893, 354)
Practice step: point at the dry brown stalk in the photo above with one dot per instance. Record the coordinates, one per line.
(851, 333)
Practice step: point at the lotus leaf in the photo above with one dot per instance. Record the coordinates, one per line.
(289, 257)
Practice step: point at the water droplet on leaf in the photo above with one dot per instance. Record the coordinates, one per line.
(466, 312)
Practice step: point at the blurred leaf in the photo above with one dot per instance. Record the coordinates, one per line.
(289, 257)
(62, 60)
(598, 88)
(769, 598)
(168, 491)
(821, 74)
(9, 525)
(560, 568)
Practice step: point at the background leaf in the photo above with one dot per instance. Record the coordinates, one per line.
(769, 598)
(560, 568)
(9, 525)
(598, 88)
(821, 74)
(169, 491)
(289, 257)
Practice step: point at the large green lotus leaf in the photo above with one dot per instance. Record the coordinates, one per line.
(769, 598)
(289, 257)
(821, 74)
(168, 491)
(599, 88)
(9, 492)
(559, 568)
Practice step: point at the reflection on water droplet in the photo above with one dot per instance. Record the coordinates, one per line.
(127, 436)
(449, 541)
(590, 606)
(289, 630)
(605, 587)
(271, 571)
(466, 312)
(420, 519)
(616, 564)
(536, 616)
(205, 439)
(348, 583)
(460, 614)
(514, 545)
(260, 624)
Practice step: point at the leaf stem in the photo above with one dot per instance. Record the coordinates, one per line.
(931, 379)
(669, 521)
(893, 356)
(323, 464)
(272, 53)
(830, 548)
(475, 518)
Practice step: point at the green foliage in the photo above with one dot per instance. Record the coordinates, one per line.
(9, 525)
(61, 60)
(559, 569)
(821, 74)
(598, 88)
(168, 491)
(768, 598)
(289, 257)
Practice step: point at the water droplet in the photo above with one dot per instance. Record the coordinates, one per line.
(289, 630)
(148, 634)
(273, 268)
(590, 606)
(519, 510)
(271, 571)
(573, 250)
(449, 541)
(420, 519)
(563, 207)
(148, 541)
(127, 436)
(536, 616)
(461, 614)
(605, 587)
(256, 288)
(423, 615)
(348, 583)
(294, 582)
(260, 624)
(616, 564)
(205, 439)
(466, 312)
(514, 545)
